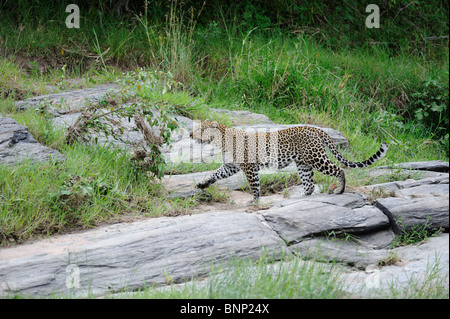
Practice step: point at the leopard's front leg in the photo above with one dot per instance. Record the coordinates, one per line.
(226, 170)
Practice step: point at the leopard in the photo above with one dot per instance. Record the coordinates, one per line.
(251, 152)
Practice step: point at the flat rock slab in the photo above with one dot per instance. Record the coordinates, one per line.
(437, 166)
(376, 240)
(348, 200)
(137, 255)
(404, 214)
(17, 145)
(432, 190)
(244, 117)
(308, 217)
(188, 181)
(342, 251)
(68, 101)
(406, 187)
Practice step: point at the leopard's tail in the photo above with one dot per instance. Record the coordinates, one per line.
(374, 158)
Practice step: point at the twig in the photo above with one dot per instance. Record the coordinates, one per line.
(149, 136)
(403, 9)
(438, 37)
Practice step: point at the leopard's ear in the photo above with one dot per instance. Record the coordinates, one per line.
(214, 124)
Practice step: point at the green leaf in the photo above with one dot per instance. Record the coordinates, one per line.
(437, 107)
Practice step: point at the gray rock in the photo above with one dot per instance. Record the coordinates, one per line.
(427, 263)
(436, 190)
(244, 117)
(308, 217)
(440, 178)
(416, 265)
(186, 150)
(407, 213)
(348, 200)
(376, 240)
(437, 166)
(137, 255)
(180, 182)
(403, 174)
(17, 145)
(342, 251)
(68, 101)
(185, 194)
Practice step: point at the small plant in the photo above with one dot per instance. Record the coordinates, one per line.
(430, 106)
(333, 235)
(168, 277)
(78, 191)
(214, 194)
(391, 259)
(278, 182)
(415, 234)
(106, 118)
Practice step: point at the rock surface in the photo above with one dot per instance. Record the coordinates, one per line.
(68, 101)
(312, 216)
(409, 186)
(404, 214)
(412, 273)
(145, 253)
(436, 166)
(417, 264)
(18, 145)
(343, 251)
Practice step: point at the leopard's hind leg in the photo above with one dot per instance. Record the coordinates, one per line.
(306, 174)
(325, 166)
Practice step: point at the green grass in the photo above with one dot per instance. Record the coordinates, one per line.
(244, 279)
(93, 185)
(416, 234)
(290, 278)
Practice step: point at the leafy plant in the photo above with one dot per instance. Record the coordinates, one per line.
(155, 121)
(78, 191)
(430, 107)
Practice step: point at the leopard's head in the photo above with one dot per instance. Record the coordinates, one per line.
(205, 131)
